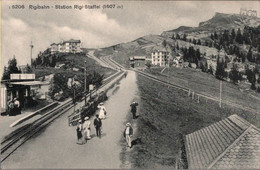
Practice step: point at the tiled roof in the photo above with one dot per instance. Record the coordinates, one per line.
(159, 48)
(231, 143)
(72, 41)
(139, 57)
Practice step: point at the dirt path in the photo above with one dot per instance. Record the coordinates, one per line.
(56, 146)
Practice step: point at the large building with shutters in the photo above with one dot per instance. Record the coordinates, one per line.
(70, 46)
(160, 56)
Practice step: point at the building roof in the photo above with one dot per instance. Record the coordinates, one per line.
(28, 83)
(137, 58)
(72, 41)
(232, 143)
(159, 48)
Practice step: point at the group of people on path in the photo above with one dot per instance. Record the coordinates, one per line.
(84, 130)
(14, 107)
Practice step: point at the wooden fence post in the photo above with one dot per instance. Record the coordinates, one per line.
(189, 93)
(198, 99)
(192, 95)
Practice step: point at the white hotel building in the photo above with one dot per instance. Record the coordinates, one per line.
(160, 56)
(70, 46)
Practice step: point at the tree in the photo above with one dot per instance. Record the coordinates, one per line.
(251, 78)
(28, 69)
(184, 37)
(148, 65)
(164, 43)
(11, 69)
(250, 55)
(258, 89)
(199, 42)
(206, 43)
(212, 36)
(194, 41)
(177, 46)
(239, 37)
(220, 70)
(215, 35)
(97, 79)
(234, 75)
(233, 34)
(178, 36)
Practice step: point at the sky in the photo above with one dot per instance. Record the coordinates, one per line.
(97, 28)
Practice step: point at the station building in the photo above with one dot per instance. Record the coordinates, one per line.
(20, 86)
(137, 61)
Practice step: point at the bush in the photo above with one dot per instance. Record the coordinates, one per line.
(258, 89)
(253, 86)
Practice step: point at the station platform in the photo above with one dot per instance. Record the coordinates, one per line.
(56, 146)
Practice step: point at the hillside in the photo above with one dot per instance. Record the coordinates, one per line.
(218, 22)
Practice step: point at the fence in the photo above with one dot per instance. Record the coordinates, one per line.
(87, 110)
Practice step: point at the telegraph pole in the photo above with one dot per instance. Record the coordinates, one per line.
(31, 52)
(220, 92)
(85, 82)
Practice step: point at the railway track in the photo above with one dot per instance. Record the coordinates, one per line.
(111, 63)
(11, 143)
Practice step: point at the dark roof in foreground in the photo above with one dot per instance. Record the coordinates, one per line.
(232, 143)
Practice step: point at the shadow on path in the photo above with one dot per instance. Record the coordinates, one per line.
(136, 141)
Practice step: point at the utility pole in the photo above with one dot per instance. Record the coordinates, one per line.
(220, 92)
(31, 52)
(85, 82)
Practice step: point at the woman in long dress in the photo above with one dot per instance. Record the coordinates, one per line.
(86, 128)
(102, 111)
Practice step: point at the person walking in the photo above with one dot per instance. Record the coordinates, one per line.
(98, 124)
(128, 133)
(11, 108)
(102, 111)
(86, 128)
(133, 109)
(79, 133)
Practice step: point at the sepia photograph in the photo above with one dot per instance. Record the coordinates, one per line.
(132, 84)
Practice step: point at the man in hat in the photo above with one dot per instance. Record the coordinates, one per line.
(86, 128)
(133, 109)
(98, 124)
(128, 133)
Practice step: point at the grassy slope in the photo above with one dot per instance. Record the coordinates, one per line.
(208, 84)
(165, 113)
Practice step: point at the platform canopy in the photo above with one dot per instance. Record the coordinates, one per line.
(28, 83)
